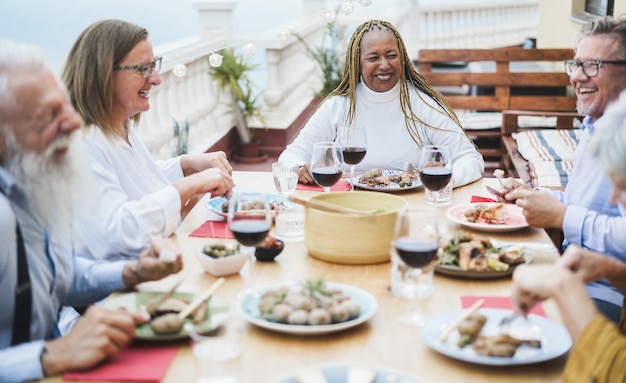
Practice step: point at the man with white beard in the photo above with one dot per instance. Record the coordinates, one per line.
(41, 179)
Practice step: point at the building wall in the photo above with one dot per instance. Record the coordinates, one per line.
(559, 13)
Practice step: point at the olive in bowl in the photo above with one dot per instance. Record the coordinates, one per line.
(221, 259)
(269, 249)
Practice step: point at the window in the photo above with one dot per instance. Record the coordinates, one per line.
(586, 10)
(599, 7)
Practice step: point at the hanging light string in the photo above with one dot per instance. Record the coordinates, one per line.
(284, 33)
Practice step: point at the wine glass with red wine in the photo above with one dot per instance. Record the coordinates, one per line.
(413, 258)
(326, 164)
(353, 141)
(435, 169)
(249, 219)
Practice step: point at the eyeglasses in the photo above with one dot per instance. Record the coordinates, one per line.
(590, 67)
(145, 69)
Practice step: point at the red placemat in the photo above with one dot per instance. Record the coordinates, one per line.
(339, 186)
(477, 198)
(493, 302)
(133, 364)
(213, 229)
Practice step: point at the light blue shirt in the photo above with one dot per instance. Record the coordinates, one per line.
(591, 221)
(58, 278)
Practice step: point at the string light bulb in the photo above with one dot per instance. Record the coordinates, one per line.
(347, 7)
(179, 70)
(284, 33)
(215, 59)
(330, 16)
(249, 49)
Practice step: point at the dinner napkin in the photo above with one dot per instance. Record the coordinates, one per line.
(493, 302)
(477, 198)
(133, 364)
(339, 186)
(213, 229)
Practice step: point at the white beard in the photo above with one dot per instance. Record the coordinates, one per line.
(57, 192)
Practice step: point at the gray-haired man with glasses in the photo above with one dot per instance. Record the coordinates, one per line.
(584, 211)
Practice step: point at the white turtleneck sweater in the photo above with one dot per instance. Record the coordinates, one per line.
(387, 136)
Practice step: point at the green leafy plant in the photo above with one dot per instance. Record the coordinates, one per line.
(232, 76)
(329, 58)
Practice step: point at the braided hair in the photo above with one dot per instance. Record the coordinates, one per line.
(408, 77)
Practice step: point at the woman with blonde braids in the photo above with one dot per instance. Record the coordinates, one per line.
(381, 91)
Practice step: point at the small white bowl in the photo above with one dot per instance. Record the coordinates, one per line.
(230, 264)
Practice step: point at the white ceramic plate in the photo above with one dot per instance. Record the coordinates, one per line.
(515, 220)
(215, 204)
(216, 316)
(555, 340)
(393, 187)
(249, 308)
(455, 271)
(339, 374)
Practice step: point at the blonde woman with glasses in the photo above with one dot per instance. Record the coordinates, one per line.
(109, 73)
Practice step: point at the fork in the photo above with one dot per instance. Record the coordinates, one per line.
(505, 323)
(404, 166)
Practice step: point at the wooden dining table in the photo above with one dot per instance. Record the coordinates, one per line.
(382, 341)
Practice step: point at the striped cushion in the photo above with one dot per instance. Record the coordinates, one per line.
(547, 144)
(550, 154)
(550, 173)
(493, 120)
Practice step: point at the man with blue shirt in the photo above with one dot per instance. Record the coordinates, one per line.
(42, 178)
(584, 211)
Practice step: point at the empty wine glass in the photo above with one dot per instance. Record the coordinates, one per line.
(353, 141)
(326, 164)
(413, 257)
(435, 169)
(249, 219)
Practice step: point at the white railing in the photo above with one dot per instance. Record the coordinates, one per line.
(290, 74)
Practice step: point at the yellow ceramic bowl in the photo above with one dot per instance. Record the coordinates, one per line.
(352, 238)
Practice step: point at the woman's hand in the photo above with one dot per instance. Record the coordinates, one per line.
(305, 176)
(194, 163)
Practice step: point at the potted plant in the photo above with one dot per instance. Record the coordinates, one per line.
(329, 58)
(232, 77)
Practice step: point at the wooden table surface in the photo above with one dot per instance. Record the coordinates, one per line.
(382, 341)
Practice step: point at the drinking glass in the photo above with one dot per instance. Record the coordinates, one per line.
(285, 176)
(326, 164)
(435, 169)
(249, 219)
(353, 141)
(413, 257)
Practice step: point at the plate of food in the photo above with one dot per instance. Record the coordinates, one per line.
(478, 339)
(387, 180)
(219, 205)
(342, 373)
(296, 308)
(206, 318)
(488, 216)
(474, 256)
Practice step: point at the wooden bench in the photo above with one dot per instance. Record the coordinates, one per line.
(529, 80)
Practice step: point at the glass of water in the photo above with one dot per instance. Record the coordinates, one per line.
(285, 176)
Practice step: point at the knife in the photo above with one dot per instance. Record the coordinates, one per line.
(497, 193)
